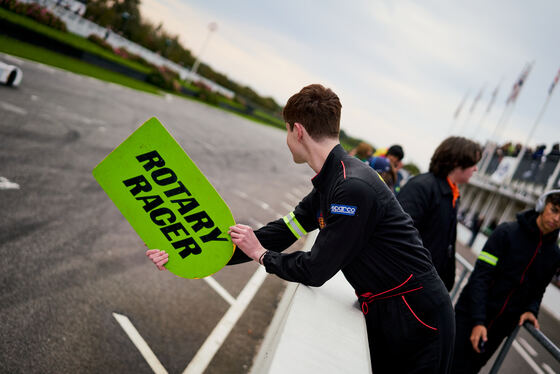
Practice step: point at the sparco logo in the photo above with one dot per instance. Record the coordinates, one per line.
(347, 210)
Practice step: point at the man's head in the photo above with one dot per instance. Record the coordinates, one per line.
(395, 154)
(363, 151)
(456, 157)
(317, 109)
(548, 206)
(385, 169)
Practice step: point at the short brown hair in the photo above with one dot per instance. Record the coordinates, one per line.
(364, 150)
(453, 152)
(317, 108)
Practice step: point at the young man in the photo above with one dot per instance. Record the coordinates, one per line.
(432, 200)
(394, 154)
(363, 232)
(508, 282)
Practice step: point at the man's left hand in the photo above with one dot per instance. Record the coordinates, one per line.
(244, 238)
(528, 316)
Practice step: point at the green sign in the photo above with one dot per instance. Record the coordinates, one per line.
(168, 201)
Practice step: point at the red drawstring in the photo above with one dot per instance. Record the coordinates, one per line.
(414, 314)
(372, 298)
(369, 297)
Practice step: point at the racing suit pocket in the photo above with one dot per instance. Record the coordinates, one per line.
(429, 325)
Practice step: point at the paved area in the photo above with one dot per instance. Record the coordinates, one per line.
(70, 260)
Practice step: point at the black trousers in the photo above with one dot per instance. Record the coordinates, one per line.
(412, 332)
(466, 359)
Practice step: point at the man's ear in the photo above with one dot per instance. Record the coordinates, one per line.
(300, 130)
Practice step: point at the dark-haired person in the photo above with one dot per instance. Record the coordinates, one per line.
(507, 284)
(432, 200)
(385, 169)
(365, 234)
(394, 154)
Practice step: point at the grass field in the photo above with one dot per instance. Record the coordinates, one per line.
(35, 53)
(71, 39)
(17, 48)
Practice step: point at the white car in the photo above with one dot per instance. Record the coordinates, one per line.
(10, 75)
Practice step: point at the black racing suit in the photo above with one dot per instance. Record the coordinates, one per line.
(429, 201)
(510, 277)
(365, 233)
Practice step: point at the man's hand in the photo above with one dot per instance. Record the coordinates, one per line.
(478, 332)
(244, 238)
(528, 316)
(159, 258)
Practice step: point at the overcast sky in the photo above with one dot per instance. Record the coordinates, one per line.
(400, 67)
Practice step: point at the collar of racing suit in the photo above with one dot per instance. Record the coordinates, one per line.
(330, 167)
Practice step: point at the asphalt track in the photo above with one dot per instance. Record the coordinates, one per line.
(70, 260)
(76, 286)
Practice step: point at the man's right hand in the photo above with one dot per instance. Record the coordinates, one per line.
(478, 332)
(159, 258)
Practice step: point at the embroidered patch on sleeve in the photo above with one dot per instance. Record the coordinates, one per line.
(347, 210)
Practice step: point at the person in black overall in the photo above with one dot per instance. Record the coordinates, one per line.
(432, 200)
(365, 234)
(506, 287)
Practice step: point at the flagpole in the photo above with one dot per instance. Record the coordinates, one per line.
(488, 109)
(501, 129)
(526, 144)
(517, 87)
(479, 125)
(465, 122)
(464, 128)
(457, 113)
(491, 144)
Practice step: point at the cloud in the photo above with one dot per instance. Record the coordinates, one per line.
(400, 68)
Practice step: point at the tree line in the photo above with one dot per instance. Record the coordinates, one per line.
(124, 18)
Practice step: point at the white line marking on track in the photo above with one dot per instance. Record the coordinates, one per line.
(34, 97)
(527, 346)
(220, 290)
(262, 204)
(241, 194)
(12, 108)
(208, 146)
(140, 343)
(527, 357)
(200, 361)
(6, 184)
(548, 369)
(259, 203)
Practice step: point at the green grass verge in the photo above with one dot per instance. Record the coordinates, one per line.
(31, 52)
(71, 39)
(267, 117)
(231, 103)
